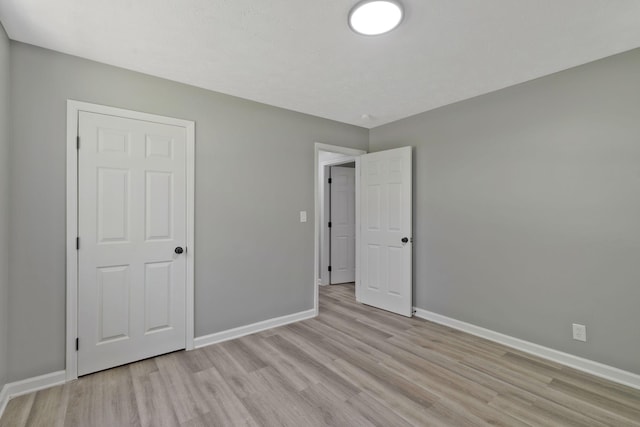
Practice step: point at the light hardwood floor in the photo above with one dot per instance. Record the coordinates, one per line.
(351, 366)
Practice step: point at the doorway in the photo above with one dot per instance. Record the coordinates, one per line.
(383, 225)
(326, 157)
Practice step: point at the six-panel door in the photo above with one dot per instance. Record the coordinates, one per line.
(386, 231)
(132, 216)
(343, 224)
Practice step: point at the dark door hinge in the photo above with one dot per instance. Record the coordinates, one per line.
(329, 268)
(329, 224)
(78, 142)
(330, 181)
(77, 344)
(77, 243)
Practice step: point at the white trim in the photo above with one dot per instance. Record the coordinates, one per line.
(325, 233)
(316, 231)
(18, 388)
(72, 232)
(190, 244)
(589, 366)
(73, 109)
(241, 331)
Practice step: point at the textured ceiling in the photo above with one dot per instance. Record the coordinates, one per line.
(301, 54)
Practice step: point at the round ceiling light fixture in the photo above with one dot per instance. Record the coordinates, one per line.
(374, 17)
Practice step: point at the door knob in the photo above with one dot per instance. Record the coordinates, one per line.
(405, 239)
(178, 250)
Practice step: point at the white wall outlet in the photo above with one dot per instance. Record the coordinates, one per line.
(579, 332)
(303, 216)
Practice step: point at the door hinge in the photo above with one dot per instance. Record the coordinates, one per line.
(330, 181)
(329, 224)
(78, 142)
(77, 344)
(77, 243)
(329, 268)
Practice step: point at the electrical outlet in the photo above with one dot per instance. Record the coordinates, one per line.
(303, 216)
(579, 332)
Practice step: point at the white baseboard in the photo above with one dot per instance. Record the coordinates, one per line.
(589, 366)
(29, 385)
(253, 328)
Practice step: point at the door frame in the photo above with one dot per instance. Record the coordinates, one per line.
(73, 110)
(352, 152)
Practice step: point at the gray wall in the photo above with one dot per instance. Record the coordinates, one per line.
(527, 209)
(254, 172)
(526, 204)
(4, 203)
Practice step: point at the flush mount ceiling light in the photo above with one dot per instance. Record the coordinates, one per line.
(373, 17)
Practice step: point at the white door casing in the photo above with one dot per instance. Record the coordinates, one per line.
(385, 220)
(343, 220)
(134, 208)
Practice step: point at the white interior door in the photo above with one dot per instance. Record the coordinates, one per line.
(131, 221)
(343, 225)
(386, 231)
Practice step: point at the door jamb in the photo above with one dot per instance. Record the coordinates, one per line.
(73, 110)
(348, 152)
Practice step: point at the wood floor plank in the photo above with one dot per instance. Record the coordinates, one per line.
(230, 370)
(49, 406)
(385, 321)
(248, 360)
(143, 367)
(386, 395)
(632, 412)
(563, 415)
(309, 363)
(353, 365)
(186, 398)
(103, 399)
(154, 401)
(522, 411)
(277, 403)
(17, 411)
(225, 406)
(333, 409)
(376, 412)
(298, 377)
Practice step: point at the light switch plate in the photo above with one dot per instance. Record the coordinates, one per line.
(303, 216)
(579, 332)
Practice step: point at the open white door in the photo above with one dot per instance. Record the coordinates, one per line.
(343, 224)
(386, 231)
